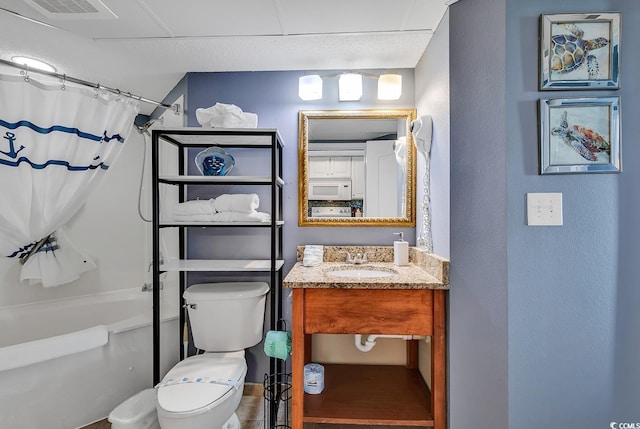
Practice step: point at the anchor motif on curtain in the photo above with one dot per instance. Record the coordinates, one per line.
(71, 138)
(13, 153)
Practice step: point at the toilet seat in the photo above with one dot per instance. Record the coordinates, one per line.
(191, 397)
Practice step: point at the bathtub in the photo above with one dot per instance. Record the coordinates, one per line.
(67, 363)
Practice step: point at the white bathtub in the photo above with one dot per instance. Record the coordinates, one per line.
(68, 363)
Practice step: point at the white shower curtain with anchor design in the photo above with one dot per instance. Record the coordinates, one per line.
(56, 143)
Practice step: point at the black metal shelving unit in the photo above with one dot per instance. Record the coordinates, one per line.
(184, 139)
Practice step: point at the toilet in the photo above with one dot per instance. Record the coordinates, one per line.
(203, 391)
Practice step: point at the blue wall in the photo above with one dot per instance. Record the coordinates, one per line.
(478, 326)
(547, 316)
(274, 97)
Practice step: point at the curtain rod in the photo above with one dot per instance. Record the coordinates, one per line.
(65, 78)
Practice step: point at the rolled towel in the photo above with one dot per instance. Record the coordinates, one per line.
(244, 203)
(195, 207)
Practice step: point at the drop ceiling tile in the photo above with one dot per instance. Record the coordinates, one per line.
(132, 20)
(340, 16)
(217, 17)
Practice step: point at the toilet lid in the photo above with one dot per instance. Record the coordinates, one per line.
(183, 397)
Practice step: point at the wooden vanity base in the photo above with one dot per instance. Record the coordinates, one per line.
(370, 395)
(389, 395)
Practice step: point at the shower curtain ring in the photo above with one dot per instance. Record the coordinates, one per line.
(63, 82)
(25, 73)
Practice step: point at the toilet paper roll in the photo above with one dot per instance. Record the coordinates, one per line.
(277, 344)
(313, 378)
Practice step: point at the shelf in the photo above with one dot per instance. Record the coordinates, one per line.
(262, 149)
(221, 265)
(228, 137)
(219, 224)
(370, 395)
(223, 180)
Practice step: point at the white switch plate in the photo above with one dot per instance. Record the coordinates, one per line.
(544, 209)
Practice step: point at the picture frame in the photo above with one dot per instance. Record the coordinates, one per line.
(580, 51)
(580, 135)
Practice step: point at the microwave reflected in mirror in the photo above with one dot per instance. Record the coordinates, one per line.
(356, 168)
(327, 189)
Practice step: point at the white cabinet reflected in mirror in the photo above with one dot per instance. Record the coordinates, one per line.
(356, 168)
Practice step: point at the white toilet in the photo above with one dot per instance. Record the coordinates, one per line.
(203, 391)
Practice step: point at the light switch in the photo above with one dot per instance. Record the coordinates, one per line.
(544, 209)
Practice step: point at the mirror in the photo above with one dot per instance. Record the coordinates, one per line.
(356, 168)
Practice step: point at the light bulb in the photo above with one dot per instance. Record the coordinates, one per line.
(389, 86)
(310, 87)
(350, 87)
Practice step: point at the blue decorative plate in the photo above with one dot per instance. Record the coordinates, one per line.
(214, 161)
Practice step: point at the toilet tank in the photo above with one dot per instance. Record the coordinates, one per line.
(226, 316)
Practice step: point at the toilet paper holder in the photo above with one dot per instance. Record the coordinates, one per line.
(277, 392)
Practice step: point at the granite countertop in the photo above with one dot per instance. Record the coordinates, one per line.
(425, 270)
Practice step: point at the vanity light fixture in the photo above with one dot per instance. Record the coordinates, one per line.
(389, 86)
(34, 63)
(310, 87)
(350, 87)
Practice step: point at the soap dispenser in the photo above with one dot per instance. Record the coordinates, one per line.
(400, 251)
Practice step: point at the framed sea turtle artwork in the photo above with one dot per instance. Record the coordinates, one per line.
(580, 135)
(580, 51)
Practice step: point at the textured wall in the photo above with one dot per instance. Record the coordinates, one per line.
(433, 98)
(479, 265)
(549, 312)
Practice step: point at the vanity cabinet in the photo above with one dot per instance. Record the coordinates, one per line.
(391, 395)
(330, 167)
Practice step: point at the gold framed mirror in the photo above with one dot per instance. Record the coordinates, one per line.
(356, 168)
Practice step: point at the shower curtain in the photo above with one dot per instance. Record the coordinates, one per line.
(56, 144)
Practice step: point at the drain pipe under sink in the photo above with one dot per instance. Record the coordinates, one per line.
(370, 341)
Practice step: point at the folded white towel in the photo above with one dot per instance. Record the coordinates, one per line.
(225, 217)
(250, 120)
(312, 255)
(195, 207)
(194, 217)
(244, 203)
(242, 217)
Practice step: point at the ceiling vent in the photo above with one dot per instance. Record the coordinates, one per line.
(72, 9)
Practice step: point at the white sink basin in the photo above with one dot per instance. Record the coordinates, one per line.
(362, 273)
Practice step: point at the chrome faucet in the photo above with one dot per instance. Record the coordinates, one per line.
(358, 259)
